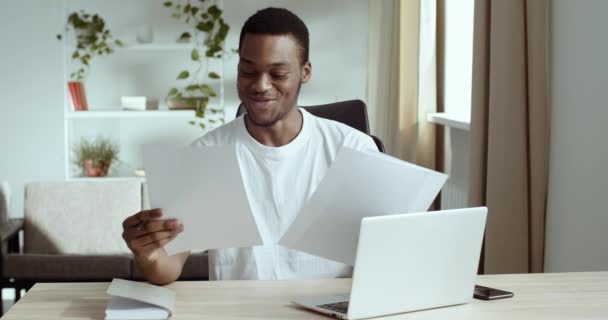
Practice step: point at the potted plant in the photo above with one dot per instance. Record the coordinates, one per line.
(93, 38)
(95, 157)
(207, 37)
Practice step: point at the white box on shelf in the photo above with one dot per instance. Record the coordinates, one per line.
(138, 103)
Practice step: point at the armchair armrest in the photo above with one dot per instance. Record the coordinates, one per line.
(9, 232)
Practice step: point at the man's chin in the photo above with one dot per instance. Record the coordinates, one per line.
(262, 122)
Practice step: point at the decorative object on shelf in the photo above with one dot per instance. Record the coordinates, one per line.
(139, 172)
(187, 103)
(93, 38)
(209, 35)
(78, 96)
(145, 34)
(95, 157)
(139, 103)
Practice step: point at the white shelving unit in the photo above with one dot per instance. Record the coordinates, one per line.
(106, 179)
(132, 70)
(118, 113)
(158, 46)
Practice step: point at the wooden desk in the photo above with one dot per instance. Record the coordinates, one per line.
(537, 296)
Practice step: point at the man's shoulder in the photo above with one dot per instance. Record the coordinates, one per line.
(344, 134)
(222, 135)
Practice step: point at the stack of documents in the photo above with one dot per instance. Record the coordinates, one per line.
(203, 187)
(139, 301)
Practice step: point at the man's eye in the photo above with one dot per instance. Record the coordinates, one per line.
(247, 73)
(279, 75)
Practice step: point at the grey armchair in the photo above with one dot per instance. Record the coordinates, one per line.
(72, 233)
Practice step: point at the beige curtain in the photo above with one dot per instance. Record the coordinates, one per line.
(402, 79)
(510, 131)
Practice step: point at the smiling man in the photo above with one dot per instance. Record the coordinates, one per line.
(283, 153)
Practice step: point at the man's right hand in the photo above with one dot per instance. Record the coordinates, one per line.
(146, 235)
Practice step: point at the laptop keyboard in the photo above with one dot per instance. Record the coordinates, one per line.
(341, 307)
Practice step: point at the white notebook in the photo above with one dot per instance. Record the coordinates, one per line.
(139, 301)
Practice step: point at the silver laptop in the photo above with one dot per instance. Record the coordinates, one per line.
(410, 262)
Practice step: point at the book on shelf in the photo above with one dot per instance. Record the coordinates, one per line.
(77, 95)
(72, 92)
(83, 96)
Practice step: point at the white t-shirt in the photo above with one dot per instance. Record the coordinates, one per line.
(278, 181)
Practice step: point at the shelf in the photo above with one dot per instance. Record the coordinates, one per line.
(130, 114)
(106, 179)
(449, 120)
(158, 46)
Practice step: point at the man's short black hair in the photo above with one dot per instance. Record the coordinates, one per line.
(278, 21)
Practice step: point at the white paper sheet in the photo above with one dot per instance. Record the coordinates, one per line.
(201, 186)
(358, 184)
(138, 300)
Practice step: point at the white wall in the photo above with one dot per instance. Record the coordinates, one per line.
(577, 217)
(32, 75)
(31, 91)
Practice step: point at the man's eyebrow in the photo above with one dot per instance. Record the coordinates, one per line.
(276, 64)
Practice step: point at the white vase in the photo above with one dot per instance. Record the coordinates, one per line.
(145, 34)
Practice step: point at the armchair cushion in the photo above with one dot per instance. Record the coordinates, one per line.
(81, 217)
(53, 267)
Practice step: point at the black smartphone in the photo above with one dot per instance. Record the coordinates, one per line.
(485, 293)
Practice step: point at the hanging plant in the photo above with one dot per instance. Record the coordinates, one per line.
(208, 36)
(93, 38)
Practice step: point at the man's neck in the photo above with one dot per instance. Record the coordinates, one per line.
(279, 134)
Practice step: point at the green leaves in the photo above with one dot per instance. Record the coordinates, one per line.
(207, 90)
(208, 32)
(173, 92)
(183, 75)
(194, 55)
(192, 87)
(214, 11)
(93, 38)
(205, 26)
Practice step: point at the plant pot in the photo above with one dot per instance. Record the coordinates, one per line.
(190, 103)
(93, 168)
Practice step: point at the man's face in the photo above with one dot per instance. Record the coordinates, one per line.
(269, 77)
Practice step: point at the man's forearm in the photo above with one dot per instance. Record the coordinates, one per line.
(165, 269)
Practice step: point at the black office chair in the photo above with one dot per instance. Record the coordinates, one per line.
(352, 113)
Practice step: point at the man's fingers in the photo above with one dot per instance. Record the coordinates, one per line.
(161, 243)
(154, 237)
(156, 226)
(142, 216)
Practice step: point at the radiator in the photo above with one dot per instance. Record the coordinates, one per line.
(455, 192)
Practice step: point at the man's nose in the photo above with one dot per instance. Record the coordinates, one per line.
(262, 83)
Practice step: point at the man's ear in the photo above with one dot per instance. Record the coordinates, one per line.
(306, 72)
